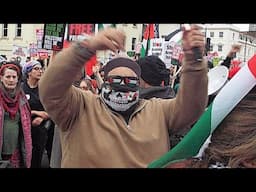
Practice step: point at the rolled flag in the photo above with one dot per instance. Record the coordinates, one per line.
(150, 32)
(225, 101)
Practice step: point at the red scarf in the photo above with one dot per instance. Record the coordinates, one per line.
(11, 105)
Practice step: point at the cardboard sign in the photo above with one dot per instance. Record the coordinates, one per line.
(79, 31)
(32, 51)
(156, 47)
(20, 52)
(39, 38)
(53, 36)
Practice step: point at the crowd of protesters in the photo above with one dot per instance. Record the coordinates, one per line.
(136, 107)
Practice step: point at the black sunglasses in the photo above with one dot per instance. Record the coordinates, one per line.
(131, 82)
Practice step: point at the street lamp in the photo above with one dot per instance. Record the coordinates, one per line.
(245, 48)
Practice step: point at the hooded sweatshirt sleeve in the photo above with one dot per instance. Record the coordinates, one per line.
(56, 92)
(192, 98)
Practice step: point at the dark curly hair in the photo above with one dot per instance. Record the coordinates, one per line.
(233, 143)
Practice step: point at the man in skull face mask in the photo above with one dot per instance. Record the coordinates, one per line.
(121, 93)
(116, 128)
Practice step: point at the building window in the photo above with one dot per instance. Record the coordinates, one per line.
(5, 30)
(18, 30)
(133, 43)
(211, 34)
(220, 47)
(211, 47)
(220, 34)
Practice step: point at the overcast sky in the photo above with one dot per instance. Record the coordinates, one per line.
(243, 27)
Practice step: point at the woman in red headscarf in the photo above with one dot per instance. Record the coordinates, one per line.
(15, 119)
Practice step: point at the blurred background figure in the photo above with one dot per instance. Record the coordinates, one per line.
(98, 75)
(86, 84)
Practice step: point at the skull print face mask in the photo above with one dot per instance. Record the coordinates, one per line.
(120, 93)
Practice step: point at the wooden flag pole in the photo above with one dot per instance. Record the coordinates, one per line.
(173, 76)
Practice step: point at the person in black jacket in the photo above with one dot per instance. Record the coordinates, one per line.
(42, 126)
(155, 78)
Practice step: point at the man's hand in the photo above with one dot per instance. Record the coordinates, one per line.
(37, 121)
(193, 38)
(41, 114)
(234, 49)
(110, 38)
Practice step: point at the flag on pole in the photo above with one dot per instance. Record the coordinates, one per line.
(151, 31)
(225, 101)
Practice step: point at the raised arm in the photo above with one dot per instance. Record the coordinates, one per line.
(57, 95)
(231, 54)
(191, 99)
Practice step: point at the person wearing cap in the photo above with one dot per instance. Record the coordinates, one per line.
(42, 125)
(155, 78)
(116, 128)
(15, 118)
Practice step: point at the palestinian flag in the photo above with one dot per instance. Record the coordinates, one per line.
(150, 32)
(103, 26)
(194, 143)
